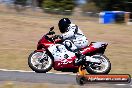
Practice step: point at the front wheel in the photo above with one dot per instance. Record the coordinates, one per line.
(40, 62)
(103, 68)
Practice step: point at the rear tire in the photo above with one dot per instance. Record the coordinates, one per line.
(34, 68)
(105, 71)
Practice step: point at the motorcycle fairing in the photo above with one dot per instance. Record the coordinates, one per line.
(99, 44)
(93, 47)
(60, 53)
(62, 56)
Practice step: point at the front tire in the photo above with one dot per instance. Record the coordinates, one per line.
(39, 65)
(104, 61)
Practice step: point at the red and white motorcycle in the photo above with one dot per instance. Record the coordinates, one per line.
(51, 53)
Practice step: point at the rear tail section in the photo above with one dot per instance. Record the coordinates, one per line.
(95, 47)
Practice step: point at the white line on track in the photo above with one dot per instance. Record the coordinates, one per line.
(33, 71)
(15, 70)
(49, 72)
(15, 49)
(121, 84)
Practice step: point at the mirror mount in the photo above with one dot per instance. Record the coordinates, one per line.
(51, 29)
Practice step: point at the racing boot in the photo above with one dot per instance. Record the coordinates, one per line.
(80, 58)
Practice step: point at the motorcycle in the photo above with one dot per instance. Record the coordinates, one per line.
(51, 53)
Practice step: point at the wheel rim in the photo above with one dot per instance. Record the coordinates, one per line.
(41, 63)
(100, 67)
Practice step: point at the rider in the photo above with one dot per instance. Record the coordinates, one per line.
(73, 37)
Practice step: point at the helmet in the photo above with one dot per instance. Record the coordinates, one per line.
(63, 24)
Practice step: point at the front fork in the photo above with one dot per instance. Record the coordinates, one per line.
(43, 53)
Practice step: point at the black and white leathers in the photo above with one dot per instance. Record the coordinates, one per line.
(74, 38)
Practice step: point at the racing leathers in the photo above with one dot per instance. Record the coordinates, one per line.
(74, 39)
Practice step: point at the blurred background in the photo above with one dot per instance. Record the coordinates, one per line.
(70, 7)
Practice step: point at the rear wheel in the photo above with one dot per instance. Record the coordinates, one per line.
(103, 68)
(40, 62)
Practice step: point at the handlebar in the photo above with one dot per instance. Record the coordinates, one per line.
(52, 39)
(51, 32)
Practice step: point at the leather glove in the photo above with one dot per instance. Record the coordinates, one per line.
(58, 36)
(61, 37)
